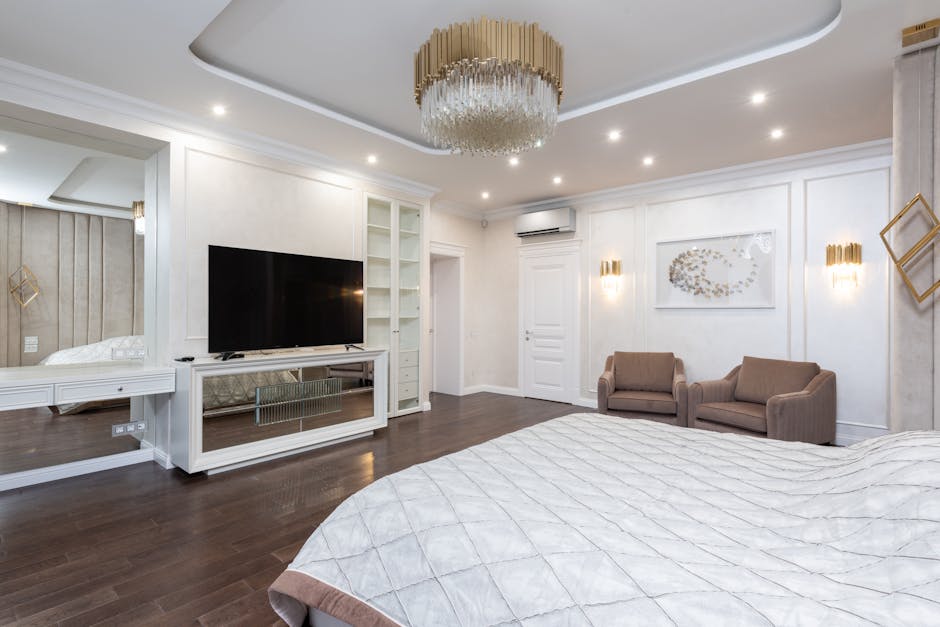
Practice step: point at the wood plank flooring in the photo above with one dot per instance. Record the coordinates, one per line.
(39, 437)
(145, 546)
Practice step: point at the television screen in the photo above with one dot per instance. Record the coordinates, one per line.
(261, 300)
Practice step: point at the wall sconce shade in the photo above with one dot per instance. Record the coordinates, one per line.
(140, 224)
(844, 261)
(611, 270)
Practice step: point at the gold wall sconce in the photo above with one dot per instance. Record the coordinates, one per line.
(844, 262)
(907, 262)
(611, 269)
(140, 223)
(24, 286)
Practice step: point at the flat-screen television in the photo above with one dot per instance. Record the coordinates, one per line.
(260, 300)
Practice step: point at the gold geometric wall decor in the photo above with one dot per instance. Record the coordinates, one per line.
(912, 254)
(24, 286)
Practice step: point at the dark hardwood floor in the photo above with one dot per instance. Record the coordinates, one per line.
(39, 437)
(143, 545)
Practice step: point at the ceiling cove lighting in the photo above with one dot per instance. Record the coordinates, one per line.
(758, 98)
(776, 133)
(219, 110)
(488, 87)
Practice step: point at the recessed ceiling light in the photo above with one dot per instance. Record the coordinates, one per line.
(372, 159)
(758, 97)
(513, 161)
(3, 148)
(219, 109)
(538, 143)
(557, 180)
(485, 195)
(776, 133)
(613, 136)
(648, 160)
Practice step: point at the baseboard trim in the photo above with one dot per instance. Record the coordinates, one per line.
(848, 433)
(25, 478)
(586, 402)
(163, 459)
(493, 389)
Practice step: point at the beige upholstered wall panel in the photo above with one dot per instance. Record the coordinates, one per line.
(90, 271)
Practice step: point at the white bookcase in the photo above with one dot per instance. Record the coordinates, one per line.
(393, 295)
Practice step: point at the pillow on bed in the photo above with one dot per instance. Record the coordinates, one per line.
(647, 372)
(760, 379)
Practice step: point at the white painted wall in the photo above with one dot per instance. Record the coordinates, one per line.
(807, 203)
(445, 321)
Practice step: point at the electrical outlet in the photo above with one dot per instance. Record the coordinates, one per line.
(138, 426)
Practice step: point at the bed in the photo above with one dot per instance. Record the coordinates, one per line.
(595, 520)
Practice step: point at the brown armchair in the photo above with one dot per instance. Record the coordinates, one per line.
(771, 398)
(649, 383)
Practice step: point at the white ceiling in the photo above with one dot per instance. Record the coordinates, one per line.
(66, 173)
(355, 57)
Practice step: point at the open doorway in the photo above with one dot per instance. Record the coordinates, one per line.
(447, 276)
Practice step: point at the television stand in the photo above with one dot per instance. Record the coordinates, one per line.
(226, 355)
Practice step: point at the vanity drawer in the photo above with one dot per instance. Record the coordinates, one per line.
(407, 391)
(408, 358)
(26, 396)
(406, 375)
(113, 388)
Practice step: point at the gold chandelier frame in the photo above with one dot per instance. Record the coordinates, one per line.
(478, 40)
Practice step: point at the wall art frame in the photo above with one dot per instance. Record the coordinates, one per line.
(730, 271)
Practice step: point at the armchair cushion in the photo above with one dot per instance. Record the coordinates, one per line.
(652, 402)
(648, 372)
(747, 416)
(761, 379)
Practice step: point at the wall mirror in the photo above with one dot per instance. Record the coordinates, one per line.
(72, 269)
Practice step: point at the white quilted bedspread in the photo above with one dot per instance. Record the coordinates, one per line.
(594, 520)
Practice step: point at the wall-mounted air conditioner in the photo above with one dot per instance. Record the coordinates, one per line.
(544, 222)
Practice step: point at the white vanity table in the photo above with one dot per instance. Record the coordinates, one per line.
(40, 386)
(189, 442)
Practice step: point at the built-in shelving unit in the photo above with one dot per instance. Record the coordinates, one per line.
(393, 295)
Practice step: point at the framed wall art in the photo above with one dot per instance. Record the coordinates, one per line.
(727, 271)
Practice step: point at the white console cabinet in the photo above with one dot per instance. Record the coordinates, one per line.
(204, 437)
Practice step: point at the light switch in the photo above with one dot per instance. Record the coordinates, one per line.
(31, 344)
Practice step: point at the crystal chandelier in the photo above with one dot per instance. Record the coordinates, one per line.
(489, 87)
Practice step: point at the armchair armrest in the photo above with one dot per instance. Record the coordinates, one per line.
(717, 391)
(605, 387)
(680, 392)
(805, 416)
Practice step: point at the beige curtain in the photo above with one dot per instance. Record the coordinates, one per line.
(915, 354)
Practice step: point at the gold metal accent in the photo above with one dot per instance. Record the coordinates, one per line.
(24, 286)
(138, 207)
(921, 244)
(479, 40)
(837, 254)
(920, 32)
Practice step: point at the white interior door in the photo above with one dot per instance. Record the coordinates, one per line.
(549, 325)
(445, 324)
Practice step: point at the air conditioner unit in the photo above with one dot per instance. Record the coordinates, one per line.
(544, 222)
